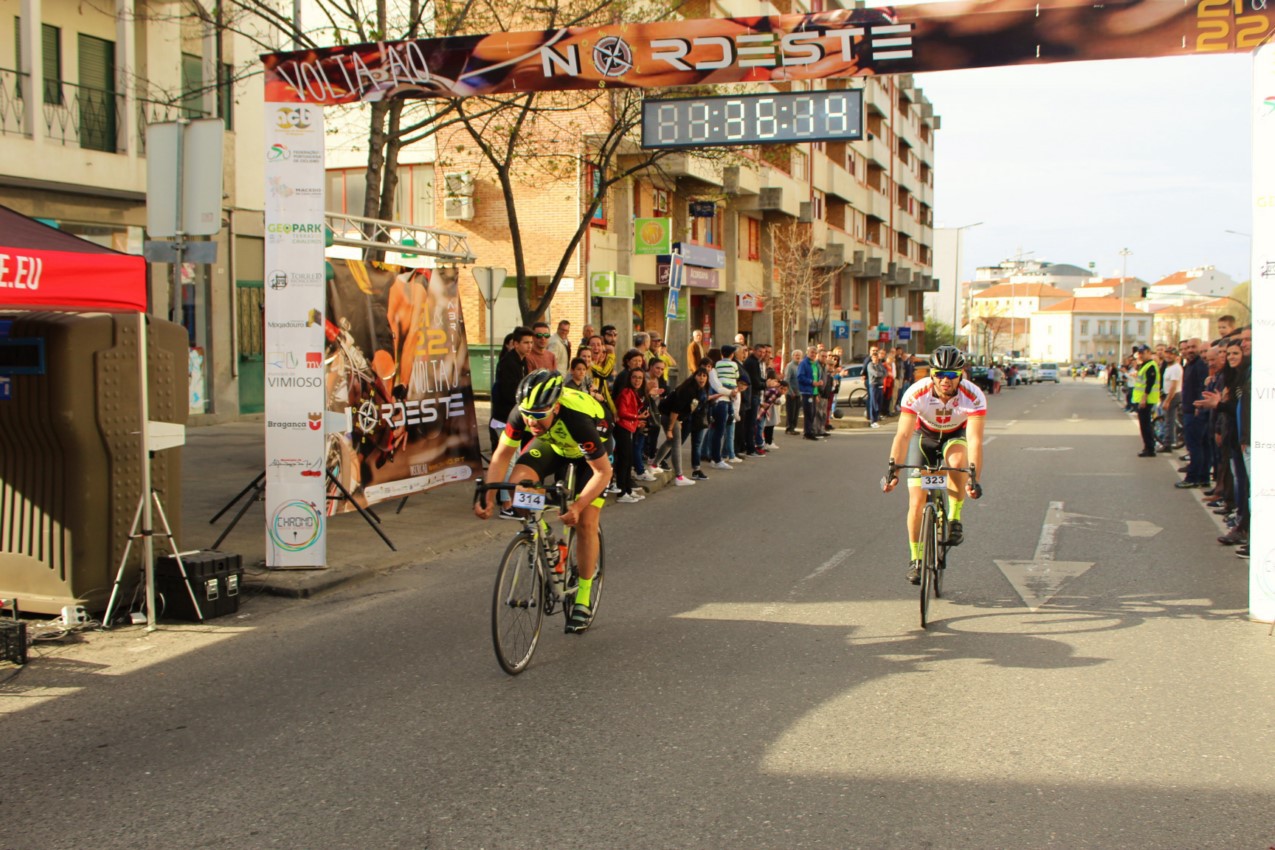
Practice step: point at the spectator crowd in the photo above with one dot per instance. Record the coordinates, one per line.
(722, 413)
(1196, 397)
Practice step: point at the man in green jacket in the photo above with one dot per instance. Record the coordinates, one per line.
(1146, 395)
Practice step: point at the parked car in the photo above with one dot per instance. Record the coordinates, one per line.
(1047, 372)
(852, 392)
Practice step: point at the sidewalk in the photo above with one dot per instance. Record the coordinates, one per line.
(220, 460)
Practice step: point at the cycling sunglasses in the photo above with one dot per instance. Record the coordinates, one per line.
(537, 414)
(543, 336)
(951, 375)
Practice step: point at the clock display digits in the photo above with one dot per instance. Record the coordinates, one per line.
(735, 112)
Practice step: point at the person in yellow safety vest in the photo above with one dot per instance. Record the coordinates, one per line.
(1146, 395)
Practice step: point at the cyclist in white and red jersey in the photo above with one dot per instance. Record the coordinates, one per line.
(940, 423)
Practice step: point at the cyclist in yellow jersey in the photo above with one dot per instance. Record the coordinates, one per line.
(567, 427)
(940, 423)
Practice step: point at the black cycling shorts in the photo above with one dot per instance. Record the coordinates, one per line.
(929, 448)
(544, 461)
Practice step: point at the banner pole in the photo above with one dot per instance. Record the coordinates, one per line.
(147, 530)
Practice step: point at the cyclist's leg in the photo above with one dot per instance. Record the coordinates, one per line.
(587, 529)
(917, 455)
(956, 453)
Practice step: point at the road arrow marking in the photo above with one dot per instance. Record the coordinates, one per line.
(1039, 580)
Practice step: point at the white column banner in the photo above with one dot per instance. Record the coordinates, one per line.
(296, 485)
(1262, 479)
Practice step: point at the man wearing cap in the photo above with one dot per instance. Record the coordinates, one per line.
(1146, 395)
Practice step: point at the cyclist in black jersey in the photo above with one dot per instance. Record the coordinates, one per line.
(567, 427)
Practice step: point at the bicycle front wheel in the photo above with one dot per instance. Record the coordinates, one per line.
(599, 577)
(929, 561)
(940, 551)
(517, 608)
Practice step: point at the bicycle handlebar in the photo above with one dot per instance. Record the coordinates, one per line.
(557, 490)
(973, 473)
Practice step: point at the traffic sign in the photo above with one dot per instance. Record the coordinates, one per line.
(904, 333)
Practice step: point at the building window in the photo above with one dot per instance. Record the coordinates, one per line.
(1142, 327)
(1084, 327)
(754, 238)
(51, 59)
(661, 204)
(799, 165)
(594, 180)
(707, 231)
(816, 205)
(192, 86)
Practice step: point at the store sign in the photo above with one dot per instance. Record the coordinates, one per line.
(904, 333)
(693, 276)
(749, 302)
(701, 255)
(610, 285)
(653, 236)
(703, 209)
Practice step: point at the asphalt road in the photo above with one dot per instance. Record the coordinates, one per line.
(756, 678)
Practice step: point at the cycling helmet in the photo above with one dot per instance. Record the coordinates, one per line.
(947, 357)
(540, 390)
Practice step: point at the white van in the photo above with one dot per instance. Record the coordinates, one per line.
(1047, 372)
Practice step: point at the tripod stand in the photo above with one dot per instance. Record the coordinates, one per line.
(258, 490)
(147, 535)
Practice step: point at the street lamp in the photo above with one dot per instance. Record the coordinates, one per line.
(956, 292)
(1124, 274)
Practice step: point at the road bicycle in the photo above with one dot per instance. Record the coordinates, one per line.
(933, 527)
(538, 573)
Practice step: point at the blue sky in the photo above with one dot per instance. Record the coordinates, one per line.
(1074, 161)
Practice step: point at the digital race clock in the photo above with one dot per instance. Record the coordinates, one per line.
(753, 119)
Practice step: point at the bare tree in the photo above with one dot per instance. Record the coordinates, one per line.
(802, 281)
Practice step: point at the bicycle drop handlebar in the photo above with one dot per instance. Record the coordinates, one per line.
(557, 491)
(973, 473)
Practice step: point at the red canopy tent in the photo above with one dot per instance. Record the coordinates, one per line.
(43, 268)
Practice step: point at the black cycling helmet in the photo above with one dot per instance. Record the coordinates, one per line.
(947, 357)
(540, 390)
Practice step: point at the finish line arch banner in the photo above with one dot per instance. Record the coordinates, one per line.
(775, 49)
(780, 48)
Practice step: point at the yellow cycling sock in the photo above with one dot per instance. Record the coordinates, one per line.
(918, 550)
(954, 509)
(585, 592)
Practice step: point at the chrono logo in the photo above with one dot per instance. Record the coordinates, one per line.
(295, 526)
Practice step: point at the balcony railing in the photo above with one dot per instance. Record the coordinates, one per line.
(81, 116)
(12, 113)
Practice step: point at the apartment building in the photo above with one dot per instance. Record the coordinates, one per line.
(867, 206)
(79, 84)
(1087, 329)
(1003, 316)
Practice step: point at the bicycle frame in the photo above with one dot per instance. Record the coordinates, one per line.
(557, 497)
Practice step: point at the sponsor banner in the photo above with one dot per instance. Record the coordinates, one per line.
(396, 370)
(1261, 564)
(779, 48)
(750, 302)
(295, 305)
(692, 276)
(652, 235)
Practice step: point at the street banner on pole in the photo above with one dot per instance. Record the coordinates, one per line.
(294, 338)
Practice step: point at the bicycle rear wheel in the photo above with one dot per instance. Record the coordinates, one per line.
(928, 562)
(517, 608)
(599, 576)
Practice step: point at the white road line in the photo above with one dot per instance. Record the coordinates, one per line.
(797, 589)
